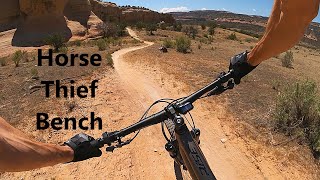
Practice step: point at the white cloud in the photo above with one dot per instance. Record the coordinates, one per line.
(254, 10)
(203, 9)
(176, 9)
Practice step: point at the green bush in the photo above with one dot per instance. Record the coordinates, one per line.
(183, 44)
(110, 60)
(287, 60)
(18, 56)
(102, 45)
(3, 61)
(56, 41)
(297, 113)
(168, 43)
(233, 37)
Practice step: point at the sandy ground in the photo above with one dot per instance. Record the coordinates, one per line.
(122, 98)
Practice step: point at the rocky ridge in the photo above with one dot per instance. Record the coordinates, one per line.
(36, 19)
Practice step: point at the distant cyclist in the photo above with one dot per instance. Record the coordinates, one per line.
(286, 26)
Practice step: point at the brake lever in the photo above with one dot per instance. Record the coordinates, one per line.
(221, 89)
(119, 145)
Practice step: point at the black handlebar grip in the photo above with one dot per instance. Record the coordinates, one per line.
(97, 143)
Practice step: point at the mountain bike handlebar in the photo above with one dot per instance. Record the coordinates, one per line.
(183, 107)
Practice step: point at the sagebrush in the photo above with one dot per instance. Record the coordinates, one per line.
(297, 113)
(183, 44)
(287, 60)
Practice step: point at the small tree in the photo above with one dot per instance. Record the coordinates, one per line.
(183, 44)
(150, 28)
(56, 41)
(287, 60)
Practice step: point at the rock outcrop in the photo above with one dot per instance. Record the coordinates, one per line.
(39, 19)
(78, 10)
(9, 14)
(35, 20)
(110, 12)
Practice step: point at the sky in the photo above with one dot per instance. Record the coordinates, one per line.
(251, 7)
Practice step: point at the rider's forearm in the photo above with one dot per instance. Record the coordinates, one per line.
(18, 153)
(286, 27)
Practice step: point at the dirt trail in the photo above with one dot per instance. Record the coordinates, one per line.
(227, 161)
(123, 97)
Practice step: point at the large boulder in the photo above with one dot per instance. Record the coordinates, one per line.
(9, 14)
(41, 18)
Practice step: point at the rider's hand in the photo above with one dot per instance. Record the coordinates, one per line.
(83, 148)
(240, 66)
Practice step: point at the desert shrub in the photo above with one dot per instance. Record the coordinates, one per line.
(110, 60)
(233, 37)
(135, 41)
(203, 26)
(150, 28)
(168, 43)
(56, 41)
(34, 73)
(102, 45)
(287, 60)
(140, 25)
(212, 27)
(248, 40)
(3, 61)
(297, 113)
(163, 26)
(113, 29)
(183, 44)
(75, 43)
(210, 39)
(63, 49)
(177, 27)
(18, 56)
(190, 31)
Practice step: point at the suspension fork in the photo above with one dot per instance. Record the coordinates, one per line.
(191, 153)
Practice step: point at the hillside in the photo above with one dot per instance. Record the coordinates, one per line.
(249, 23)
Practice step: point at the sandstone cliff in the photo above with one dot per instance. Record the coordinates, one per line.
(9, 14)
(110, 12)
